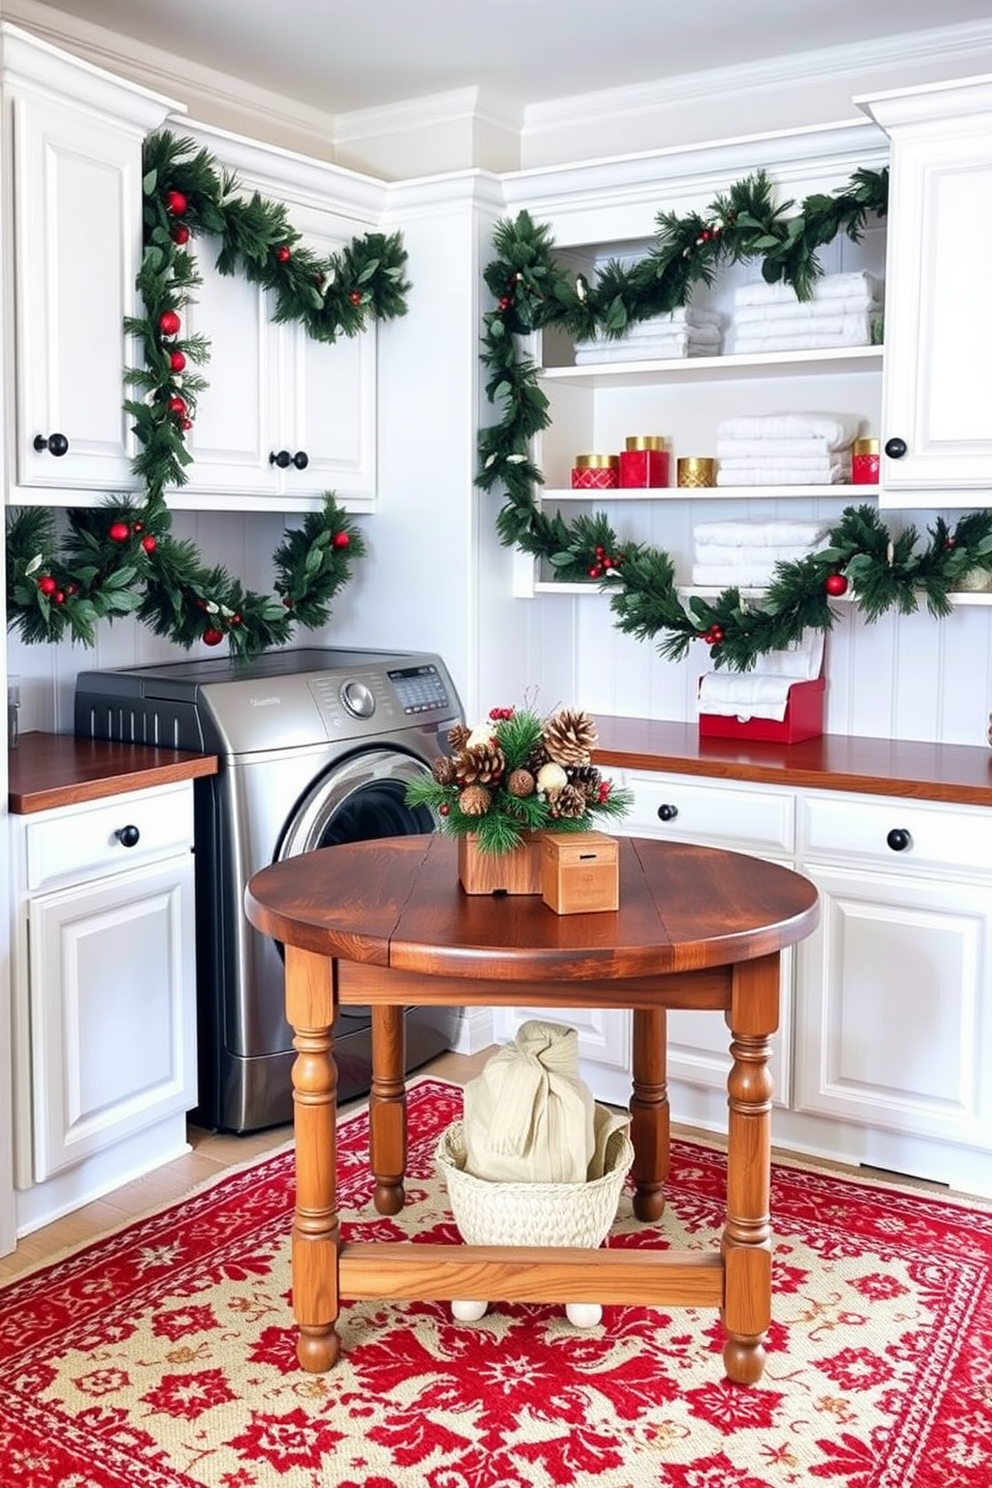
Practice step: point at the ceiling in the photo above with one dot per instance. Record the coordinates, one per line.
(342, 55)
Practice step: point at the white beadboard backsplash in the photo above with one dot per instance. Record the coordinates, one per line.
(907, 677)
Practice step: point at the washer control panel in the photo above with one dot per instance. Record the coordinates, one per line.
(420, 689)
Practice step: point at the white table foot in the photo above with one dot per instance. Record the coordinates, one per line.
(468, 1312)
(583, 1314)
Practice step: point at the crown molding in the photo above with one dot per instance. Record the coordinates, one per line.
(480, 105)
(430, 196)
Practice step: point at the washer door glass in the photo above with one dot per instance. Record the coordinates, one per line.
(358, 799)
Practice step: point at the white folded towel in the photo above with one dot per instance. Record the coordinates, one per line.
(814, 463)
(773, 449)
(827, 287)
(835, 473)
(776, 533)
(729, 553)
(685, 343)
(805, 311)
(685, 315)
(853, 330)
(744, 695)
(742, 575)
(837, 430)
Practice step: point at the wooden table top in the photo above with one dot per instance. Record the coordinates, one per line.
(396, 902)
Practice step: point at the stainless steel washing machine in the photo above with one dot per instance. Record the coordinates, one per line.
(316, 747)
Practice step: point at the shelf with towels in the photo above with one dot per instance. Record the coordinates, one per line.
(713, 368)
(711, 493)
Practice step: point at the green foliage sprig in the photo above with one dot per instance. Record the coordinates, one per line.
(120, 559)
(877, 570)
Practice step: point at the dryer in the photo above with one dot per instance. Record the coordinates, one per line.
(316, 746)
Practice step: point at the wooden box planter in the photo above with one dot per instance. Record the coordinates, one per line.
(516, 872)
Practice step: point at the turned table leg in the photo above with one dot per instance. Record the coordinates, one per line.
(316, 1233)
(649, 1113)
(387, 1108)
(746, 1244)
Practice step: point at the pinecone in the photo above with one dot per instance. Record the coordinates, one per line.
(570, 803)
(443, 770)
(521, 783)
(474, 800)
(538, 756)
(586, 778)
(482, 765)
(569, 737)
(457, 736)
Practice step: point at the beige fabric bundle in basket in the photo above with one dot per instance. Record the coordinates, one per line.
(499, 1213)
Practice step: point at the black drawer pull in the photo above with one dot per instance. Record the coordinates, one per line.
(895, 448)
(301, 459)
(282, 459)
(899, 839)
(667, 812)
(128, 836)
(55, 444)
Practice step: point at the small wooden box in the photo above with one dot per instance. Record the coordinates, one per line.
(516, 872)
(580, 872)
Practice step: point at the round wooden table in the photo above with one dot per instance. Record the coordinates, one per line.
(386, 923)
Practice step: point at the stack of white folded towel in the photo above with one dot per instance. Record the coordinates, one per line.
(744, 554)
(771, 317)
(686, 332)
(764, 693)
(786, 449)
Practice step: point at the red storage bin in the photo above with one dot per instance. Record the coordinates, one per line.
(803, 719)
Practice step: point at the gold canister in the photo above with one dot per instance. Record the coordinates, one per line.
(696, 470)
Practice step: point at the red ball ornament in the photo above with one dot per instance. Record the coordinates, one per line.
(169, 323)
(180, 234)
(212, 637)
(340, 540)
(47, 585)
(175, 203)
(149, 544)
(177, 361)
(177, 405)
(835, 583)
(355, 297)
(594, 571)
(505, 302)
(186, 423)
(137, 526)
(119, 532)
(235, 618)
(59, 597)
(283, 253)
(444, 809)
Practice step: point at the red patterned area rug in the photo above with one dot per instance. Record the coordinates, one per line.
(163, 1356)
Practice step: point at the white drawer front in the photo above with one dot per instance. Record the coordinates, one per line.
(713, 811)
(896, 834)
(82, 842)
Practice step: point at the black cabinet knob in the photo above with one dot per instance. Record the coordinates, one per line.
(895, 448)
(301, 459)
(56, 444)
(899, 839)
(282, 458)
(667, 812)
(128, 836)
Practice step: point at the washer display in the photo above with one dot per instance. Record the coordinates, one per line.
(315, 746)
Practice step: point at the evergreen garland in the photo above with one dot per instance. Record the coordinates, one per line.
(532, 291)
(120, 558)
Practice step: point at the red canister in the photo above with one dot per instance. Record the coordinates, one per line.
(596, 473)
(644, 462)
(864, 462)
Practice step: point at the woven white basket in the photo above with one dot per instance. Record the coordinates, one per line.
(489, 1213)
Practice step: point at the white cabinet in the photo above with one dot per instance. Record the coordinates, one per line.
(936, 421)
(285, 418)
(75, 139)
(894, 1021)
(104, 994)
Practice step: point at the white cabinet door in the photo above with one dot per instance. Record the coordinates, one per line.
(77, 223)
(937, 379)
(894, 1016)
(284, 418)
(112, 1010)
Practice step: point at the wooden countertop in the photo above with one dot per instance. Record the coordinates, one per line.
(958, 773)
(52, 770)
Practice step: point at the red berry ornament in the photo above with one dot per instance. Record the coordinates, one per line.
(149, 544)
(505, 302)
(180, 234)
(175, 203)
(177, 361)
(835, 583)
(169, 323)
(355, 297)
(340, 540)
(47, 585)
(212, 637)
(119, 532)
(283, 253)
(186, 423)
(177, 406)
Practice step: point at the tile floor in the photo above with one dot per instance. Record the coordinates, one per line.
(211, 1153)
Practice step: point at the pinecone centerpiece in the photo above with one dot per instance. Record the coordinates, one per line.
(517, 773)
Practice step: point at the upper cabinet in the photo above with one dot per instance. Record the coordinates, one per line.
(285, 418)
(937, 388)
(74, 139)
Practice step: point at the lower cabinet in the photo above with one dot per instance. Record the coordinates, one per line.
(884, 1052)
(104, 995)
